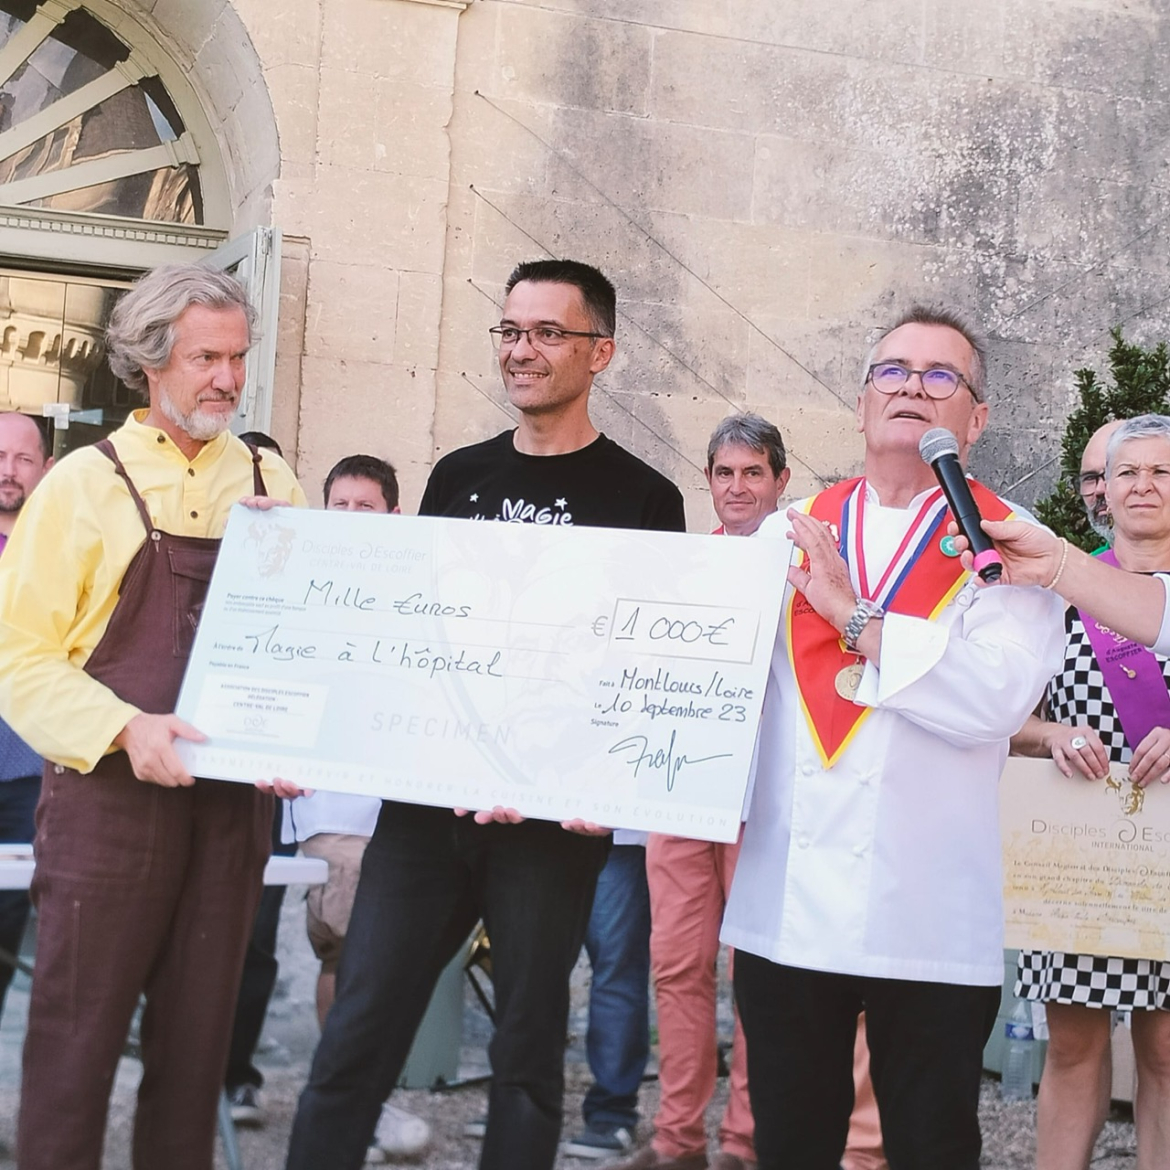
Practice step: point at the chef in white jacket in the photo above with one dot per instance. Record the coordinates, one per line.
(870, 874)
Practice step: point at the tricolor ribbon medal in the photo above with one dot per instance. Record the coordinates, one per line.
(920, 580)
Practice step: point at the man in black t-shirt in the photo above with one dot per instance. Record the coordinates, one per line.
(428, 875)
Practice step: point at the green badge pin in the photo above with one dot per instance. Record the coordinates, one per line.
(947, 544)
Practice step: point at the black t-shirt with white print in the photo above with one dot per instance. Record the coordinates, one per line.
(600, 486)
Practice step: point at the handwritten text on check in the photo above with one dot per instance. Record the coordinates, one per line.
(606, 674)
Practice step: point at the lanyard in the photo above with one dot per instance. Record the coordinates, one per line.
(921, 531)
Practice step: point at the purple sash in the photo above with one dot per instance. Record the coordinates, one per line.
(1132, 675)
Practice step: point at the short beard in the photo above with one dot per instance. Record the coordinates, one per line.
(199, 426)
(1101, 527)
(7, 509)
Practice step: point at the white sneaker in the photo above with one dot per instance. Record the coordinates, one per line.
(246, 1106)
(399, 1135)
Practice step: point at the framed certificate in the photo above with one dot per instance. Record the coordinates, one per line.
(1086, 862)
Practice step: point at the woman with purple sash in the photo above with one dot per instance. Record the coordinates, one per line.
(1109, 704)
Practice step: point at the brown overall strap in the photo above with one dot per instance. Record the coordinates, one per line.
(107, 449)
(258, 488)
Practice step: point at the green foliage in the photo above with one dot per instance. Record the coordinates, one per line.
(1140, 385)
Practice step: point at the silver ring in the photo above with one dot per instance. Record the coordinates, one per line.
(1077, 742)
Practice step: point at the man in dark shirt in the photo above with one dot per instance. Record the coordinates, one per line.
(428, 875)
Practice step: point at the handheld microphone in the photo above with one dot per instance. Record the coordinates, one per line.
(940, 449)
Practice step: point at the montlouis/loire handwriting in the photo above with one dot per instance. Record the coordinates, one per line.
(664, 680)
(641, 753)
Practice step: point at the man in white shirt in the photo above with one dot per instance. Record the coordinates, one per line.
(869, 877)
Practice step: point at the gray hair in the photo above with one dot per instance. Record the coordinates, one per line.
(751, 431)
(1142, 426)
(141, 332)
(947, 319)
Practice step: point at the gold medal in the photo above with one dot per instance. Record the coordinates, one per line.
(848, 680)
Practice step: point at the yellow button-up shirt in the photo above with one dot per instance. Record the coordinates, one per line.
(61, 572)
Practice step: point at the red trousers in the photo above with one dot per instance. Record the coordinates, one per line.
(863, 1149)
(689, 883)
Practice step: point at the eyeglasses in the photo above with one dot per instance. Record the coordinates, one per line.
(1089, 483)
(938, 382)
(542, 336)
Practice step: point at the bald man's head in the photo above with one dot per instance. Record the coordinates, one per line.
(1092, 480)
(23, 462)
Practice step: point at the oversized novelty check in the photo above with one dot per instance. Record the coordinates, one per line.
(1086, 863)
(606, 674)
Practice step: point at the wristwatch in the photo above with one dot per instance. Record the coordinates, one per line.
(865, 612)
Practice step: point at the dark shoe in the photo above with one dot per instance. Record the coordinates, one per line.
(246, 1109)
(648, 1158)
(599, 1141)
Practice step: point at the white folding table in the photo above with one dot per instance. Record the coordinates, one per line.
(16, 869)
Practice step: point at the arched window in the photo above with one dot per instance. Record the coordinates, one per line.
(87, 123)
(108, 166)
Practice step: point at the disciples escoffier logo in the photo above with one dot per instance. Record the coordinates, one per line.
(1121, 834)
(1125, 832)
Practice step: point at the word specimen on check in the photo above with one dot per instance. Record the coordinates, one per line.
(606, 674)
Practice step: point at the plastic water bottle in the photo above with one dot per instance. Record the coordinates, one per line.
(1017, 1058)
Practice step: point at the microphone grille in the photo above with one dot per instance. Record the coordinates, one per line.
(936, 443)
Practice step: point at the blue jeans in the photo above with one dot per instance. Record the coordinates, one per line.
(427, 878)
(618, 944)
(18, 803)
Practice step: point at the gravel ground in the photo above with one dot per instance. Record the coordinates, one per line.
(290, 1035)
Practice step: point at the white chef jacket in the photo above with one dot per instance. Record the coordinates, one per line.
(888, 864)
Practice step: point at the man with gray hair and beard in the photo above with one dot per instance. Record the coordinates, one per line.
(1091, 481)
(147, 878)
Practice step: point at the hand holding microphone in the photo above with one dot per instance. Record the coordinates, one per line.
(940, 449)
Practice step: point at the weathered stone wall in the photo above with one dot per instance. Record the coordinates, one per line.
(767, 181)
(368, 89)
(331, 116)
(770, 183)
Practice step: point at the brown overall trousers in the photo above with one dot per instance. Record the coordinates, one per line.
(139, 890)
